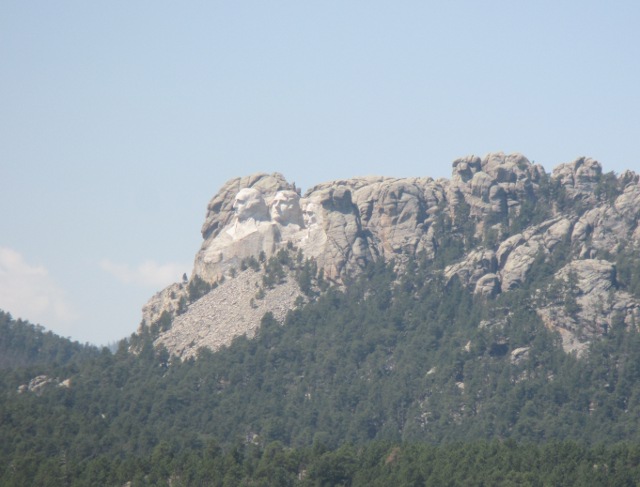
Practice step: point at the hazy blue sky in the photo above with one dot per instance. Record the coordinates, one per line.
(119, 120)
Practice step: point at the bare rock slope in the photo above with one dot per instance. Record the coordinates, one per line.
(228, 311)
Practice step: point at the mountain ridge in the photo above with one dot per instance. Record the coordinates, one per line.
(487, 225)
(520, 331)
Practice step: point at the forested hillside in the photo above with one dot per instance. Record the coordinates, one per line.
(392, 359)
(22, 344)
(482, 331)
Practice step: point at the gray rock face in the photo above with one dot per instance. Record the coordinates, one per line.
(495, 187)
(488, 285)
(476, 265)
(605, 228)
(597, 303)
(398, 213)
(166, 300)
(579, 178)
(335, 238)
(41, 383)
(517, 254)
(344, 224)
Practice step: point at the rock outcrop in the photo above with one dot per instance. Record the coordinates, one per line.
(504, 214)
(344, 224)
(41, 383)
(166, 301)
(230, 310)
(587, 303)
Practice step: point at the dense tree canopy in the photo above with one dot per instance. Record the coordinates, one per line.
(391, 381)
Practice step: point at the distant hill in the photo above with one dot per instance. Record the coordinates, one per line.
(24, 344)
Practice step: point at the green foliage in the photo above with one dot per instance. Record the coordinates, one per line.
(533, 211)
(24, 344)
(250, 263)
(182, 305)
(449, 245)
(553, 191)
(607, 188)
(571, 292)
(197, 288)
(376, 464)
(395, 379)
(162, 324)
(274, 272)
(628, 270)
(354, 389)
(306, 275)
(466, 224)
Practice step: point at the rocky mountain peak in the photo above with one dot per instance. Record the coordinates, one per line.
(579, 178)
(489, 225)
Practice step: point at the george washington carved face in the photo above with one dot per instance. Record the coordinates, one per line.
(250, 204)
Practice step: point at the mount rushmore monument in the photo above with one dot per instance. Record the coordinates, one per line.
(503, 213)
(257, 228)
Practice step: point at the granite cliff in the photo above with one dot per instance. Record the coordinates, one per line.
(497, 220)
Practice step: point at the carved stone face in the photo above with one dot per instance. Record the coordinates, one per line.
(311, 213)
(285, 208)
(250, 204)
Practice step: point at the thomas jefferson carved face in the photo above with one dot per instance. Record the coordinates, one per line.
(285, 208)
(250, 204)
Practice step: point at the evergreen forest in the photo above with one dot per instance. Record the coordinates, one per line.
(395, 379)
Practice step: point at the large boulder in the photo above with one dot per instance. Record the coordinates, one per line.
(476, 265)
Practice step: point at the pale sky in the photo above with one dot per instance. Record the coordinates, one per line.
(119, 120)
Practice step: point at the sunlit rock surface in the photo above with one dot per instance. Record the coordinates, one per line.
(345, 224)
